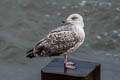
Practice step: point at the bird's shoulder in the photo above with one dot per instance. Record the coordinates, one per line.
(67, 27)
(57, 33)
(63, 35)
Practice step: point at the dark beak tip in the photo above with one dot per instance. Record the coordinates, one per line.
(63, 21)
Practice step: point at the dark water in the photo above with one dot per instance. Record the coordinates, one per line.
(24, 22)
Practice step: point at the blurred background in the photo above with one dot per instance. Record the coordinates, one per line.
(24, 22)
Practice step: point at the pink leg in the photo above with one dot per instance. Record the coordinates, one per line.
(68, 64)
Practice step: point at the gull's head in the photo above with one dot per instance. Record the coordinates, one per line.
(74, 19)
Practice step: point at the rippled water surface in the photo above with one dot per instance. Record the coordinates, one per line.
(24, 22)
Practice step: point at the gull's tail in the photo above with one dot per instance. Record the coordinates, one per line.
(38, 50)
(30, 54)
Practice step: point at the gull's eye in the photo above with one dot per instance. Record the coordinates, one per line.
(74, 18)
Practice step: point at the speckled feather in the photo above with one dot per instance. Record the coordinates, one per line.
(58, 41)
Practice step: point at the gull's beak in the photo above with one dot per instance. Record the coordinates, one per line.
(64, 21)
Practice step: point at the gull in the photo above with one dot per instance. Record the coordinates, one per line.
(63, 40)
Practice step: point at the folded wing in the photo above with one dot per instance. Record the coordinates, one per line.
(57, 42)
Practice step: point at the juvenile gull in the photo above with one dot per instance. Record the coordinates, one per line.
(62, 40)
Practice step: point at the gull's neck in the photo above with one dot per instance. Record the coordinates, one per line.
(81, 25)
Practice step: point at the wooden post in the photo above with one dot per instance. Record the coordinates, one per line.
(85, 70)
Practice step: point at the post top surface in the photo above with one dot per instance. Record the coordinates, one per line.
(83, 68)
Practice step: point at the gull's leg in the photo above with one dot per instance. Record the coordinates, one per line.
(68, 64)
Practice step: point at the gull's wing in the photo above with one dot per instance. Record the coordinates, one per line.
(57, 42)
